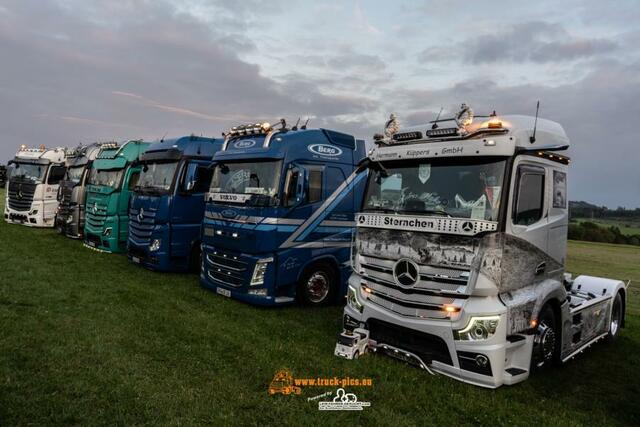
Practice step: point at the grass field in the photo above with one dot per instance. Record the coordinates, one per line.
(87, 338)
(627, 226)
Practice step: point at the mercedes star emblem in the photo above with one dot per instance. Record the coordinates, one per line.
(406, 273)
(467, 226)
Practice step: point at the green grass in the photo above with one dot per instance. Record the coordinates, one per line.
(627, 226)
(88, 338)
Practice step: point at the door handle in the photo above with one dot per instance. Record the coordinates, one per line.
(540, 268)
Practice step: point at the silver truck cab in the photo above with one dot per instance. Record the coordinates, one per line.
(459, 254)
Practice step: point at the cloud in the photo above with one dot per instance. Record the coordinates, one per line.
(537, 42)
(597, 113)
(134, 69)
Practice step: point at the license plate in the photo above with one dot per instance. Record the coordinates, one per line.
(135, 259)
(223, 292)
(93, 244)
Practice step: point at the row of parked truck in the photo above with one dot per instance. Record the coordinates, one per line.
(447, 239)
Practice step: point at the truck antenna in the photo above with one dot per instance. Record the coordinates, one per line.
(304, 126)
(163, 136)
(532, 138)
(295, 127)
(435, 122)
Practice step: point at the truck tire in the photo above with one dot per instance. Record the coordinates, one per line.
(617, 313)
(546, 341)
(317, 285)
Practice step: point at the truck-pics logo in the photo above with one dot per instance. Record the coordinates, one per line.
(244, 143)
(343, 401)
(282, 383)
(324, 150)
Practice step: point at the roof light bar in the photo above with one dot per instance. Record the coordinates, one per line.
(407, 136)
(437, 133)
(249, 129)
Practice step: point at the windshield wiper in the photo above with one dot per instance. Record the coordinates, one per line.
(383, 210)
(437, 212)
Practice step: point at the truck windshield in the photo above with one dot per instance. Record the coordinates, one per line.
(74, 174)
(107, 177)
(28, 171)
(456, 187)
(157, 176)
(261, 178)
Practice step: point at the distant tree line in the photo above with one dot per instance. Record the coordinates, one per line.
(587, 210)
(592, 232)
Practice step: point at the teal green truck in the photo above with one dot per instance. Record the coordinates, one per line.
(113, 176)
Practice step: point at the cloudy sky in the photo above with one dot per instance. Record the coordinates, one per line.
(79, 70)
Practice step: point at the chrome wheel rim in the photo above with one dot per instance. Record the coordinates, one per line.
(546, 343)
(317, 287)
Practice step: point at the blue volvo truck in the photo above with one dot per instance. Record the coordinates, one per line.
(280, 215)
(166, 210)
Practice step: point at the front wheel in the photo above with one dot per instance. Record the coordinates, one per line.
(317, 285)
(546, 342)
(617, 313)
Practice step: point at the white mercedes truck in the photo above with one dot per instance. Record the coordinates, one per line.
(459, 254)
(31, 197)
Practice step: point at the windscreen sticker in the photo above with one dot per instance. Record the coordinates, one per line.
(559, 190)
(424, 172)
(228, 197)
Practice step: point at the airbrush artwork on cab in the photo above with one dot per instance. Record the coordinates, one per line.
(459, 252)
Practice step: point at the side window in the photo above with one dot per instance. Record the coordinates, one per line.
(133, 180)
(56, 174)
(291, 185)
(315, 186)
(203, 179)
(530, 196)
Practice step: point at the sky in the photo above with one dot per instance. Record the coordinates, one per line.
(76, 71)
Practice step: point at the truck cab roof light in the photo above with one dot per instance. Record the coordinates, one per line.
(437, 133)
(407, 136)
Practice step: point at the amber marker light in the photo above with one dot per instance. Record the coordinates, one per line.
(451, 308)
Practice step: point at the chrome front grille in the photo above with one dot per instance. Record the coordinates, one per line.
(437, 287)
(226, 268)
(21, 195)
(64, 208)
(96, 215)
(141, 226)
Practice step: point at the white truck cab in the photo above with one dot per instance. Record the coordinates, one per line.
(459, 253)
(32, 190)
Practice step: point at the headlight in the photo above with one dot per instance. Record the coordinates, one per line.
(353, 300)
(479, 328)
(155, 245)
(259, 271)
(107, 231)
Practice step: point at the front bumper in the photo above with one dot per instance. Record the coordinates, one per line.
(160, 260)
(431, 342)
(95, 238)
(43, 217)
(229, 274)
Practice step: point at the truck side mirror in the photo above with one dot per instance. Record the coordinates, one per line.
(190, 177)
(294, 187)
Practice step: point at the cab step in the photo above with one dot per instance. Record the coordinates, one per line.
(515, 375)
